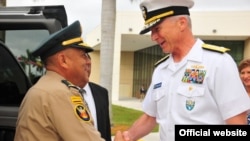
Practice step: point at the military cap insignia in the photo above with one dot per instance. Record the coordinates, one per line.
(144, 12)
(161, 60)
(215, 48)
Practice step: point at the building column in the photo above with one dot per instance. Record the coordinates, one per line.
(116, 68)
(247, 49)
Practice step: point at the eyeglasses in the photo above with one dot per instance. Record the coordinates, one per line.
(86, 56)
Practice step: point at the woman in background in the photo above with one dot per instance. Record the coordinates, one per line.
(244, 70)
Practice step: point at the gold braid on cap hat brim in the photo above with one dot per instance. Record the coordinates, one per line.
(72, 41)
(165, 12)
(83, 44)
(159, 16)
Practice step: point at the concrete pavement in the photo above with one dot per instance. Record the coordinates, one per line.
(136, 104)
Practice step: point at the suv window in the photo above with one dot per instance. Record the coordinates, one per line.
(12, 81)
(23, 28)
(21, 42)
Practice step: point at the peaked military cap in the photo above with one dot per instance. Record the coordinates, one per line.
(68, 37)
(154, 11)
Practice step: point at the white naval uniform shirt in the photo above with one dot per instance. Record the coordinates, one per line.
(218, 97)
(91, 103)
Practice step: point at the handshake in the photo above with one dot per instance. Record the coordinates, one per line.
(119, 136)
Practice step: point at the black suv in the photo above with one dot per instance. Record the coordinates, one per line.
(21, 30)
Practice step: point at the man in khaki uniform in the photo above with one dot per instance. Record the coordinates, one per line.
(54, 109)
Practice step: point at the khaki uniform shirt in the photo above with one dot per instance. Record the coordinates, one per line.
(53, 112)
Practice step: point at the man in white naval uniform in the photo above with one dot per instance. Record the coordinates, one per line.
(196, 83)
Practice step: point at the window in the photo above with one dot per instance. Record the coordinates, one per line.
(13, 82)
(144, 61)
(21, 43)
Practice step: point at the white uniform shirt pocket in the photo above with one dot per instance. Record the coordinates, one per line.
(190, 98)
(190, 91)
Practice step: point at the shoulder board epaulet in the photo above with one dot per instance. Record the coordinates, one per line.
(161, 60)
(215, 48)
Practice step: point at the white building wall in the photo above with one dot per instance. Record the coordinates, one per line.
(231, 24)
